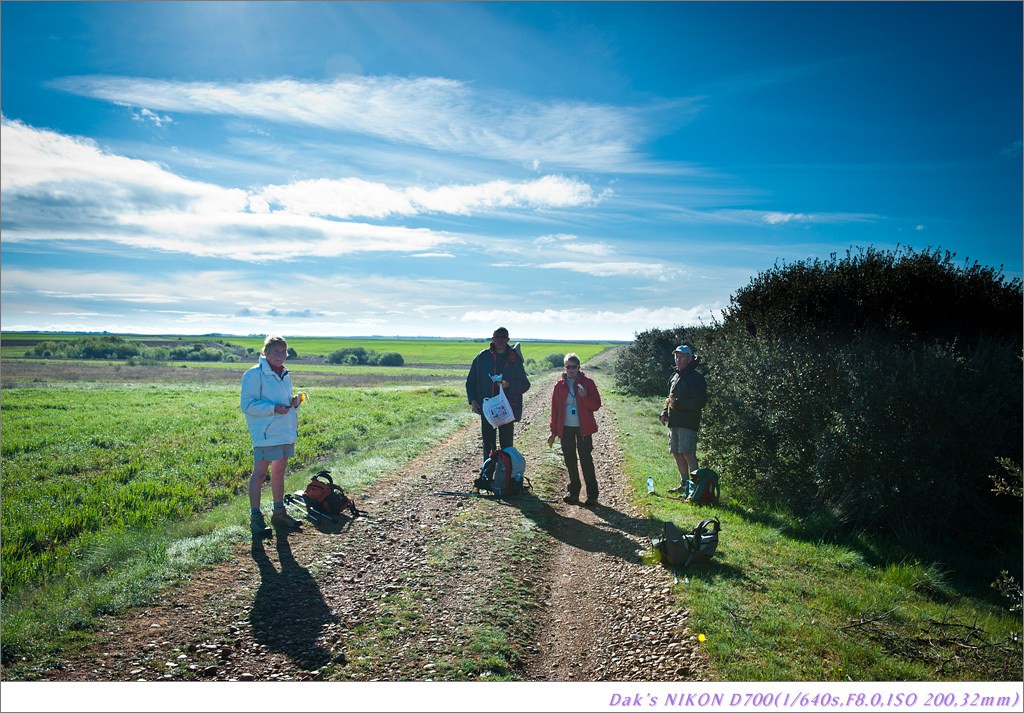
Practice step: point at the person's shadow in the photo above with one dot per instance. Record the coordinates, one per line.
(608, 537)
(289, 612)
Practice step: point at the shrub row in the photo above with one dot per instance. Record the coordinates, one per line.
(115, 347)
(823, 401)
(359, 355)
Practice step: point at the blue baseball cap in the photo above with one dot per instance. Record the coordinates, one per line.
(683, 349)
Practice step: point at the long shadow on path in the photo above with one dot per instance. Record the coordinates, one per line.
(574, 532)
(289, 611)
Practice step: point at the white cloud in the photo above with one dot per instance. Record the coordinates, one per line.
(61, 187)
(624, 324)
(781, 218)
(146, 116)
(57, 187)
(648, 270)
(235, 301)
(350, 197)
(437, 113)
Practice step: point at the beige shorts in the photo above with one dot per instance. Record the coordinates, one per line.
(682, 440)
(273, 452)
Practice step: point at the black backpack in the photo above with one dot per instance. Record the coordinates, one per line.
(681, 548)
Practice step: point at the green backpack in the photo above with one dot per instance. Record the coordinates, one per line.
(703, 487)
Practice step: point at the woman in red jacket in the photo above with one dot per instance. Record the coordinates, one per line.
(574, 400)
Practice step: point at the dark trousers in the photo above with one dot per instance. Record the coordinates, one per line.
(504, 435)
(573, 442)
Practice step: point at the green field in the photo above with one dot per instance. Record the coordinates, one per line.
(786, 599)
(413, 351)
(102, 482)
(106, 466)
(117, 479)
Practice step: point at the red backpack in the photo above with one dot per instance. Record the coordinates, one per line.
(328, 498)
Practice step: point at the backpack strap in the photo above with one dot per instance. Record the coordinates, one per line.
(324, 475)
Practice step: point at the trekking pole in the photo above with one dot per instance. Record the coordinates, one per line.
(292, 500)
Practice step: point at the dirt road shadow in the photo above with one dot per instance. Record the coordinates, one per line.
(575, 532)
(289, 611)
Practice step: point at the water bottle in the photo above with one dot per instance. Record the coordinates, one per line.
(650, 485)
(500, 478)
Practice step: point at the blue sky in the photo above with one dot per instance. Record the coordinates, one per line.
(569, 170)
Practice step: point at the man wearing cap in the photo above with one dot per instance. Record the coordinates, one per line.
(498, 364)
(687, 394)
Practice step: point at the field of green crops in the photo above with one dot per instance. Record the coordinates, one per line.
(82, 462)
(413, 351)
(106, 465)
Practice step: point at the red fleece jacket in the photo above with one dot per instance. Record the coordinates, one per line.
(585, 405)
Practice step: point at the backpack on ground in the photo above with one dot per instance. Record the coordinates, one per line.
(703, 486)
(503, 473)
(682, 548)
(328, 498)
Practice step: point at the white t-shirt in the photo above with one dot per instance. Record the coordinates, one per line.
(572, 414)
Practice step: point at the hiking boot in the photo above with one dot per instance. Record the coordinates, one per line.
(281, 518)
(571, 500)
(259, 526)
(591, 503)
(680, 489)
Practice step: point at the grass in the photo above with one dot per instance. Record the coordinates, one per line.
(783, 600)
(413, 351)
(790, 600)
(111, 493)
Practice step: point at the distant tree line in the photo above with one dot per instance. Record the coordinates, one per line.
(110, 346)
(882, 389)
(358, 355)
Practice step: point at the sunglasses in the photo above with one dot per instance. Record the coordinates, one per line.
(572, 366)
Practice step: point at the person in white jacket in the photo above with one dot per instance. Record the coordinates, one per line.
(270, 413)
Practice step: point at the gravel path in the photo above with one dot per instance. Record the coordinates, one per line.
(414, 577)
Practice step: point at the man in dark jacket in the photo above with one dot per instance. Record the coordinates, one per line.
(687, 394)
(496, 365)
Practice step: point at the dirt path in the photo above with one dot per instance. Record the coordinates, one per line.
(416, 574)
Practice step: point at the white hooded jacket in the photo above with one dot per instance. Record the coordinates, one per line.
(262, 390)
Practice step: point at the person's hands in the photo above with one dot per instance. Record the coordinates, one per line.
(504, 383)
(551, 440)
(579, 387)
(281, 408)
(663, 418)
(475, 407)
(296, 401)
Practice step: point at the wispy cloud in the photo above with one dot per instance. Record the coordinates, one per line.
(58, 187)
(437, 113)
(352, 197)
(771, 217)
(647, 270)
(149, 117)
(620, 322)
(1013, 150)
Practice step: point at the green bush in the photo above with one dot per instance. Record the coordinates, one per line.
(878, 389)
(874, 433)
(645, 366)
(922, 294)
(390, 359)
(355, 356)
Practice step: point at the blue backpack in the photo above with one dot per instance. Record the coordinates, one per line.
(503, 473)
(703, 487)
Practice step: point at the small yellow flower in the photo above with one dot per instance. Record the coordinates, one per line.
(701, 638)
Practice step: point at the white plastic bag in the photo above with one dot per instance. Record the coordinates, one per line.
(497, 410)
